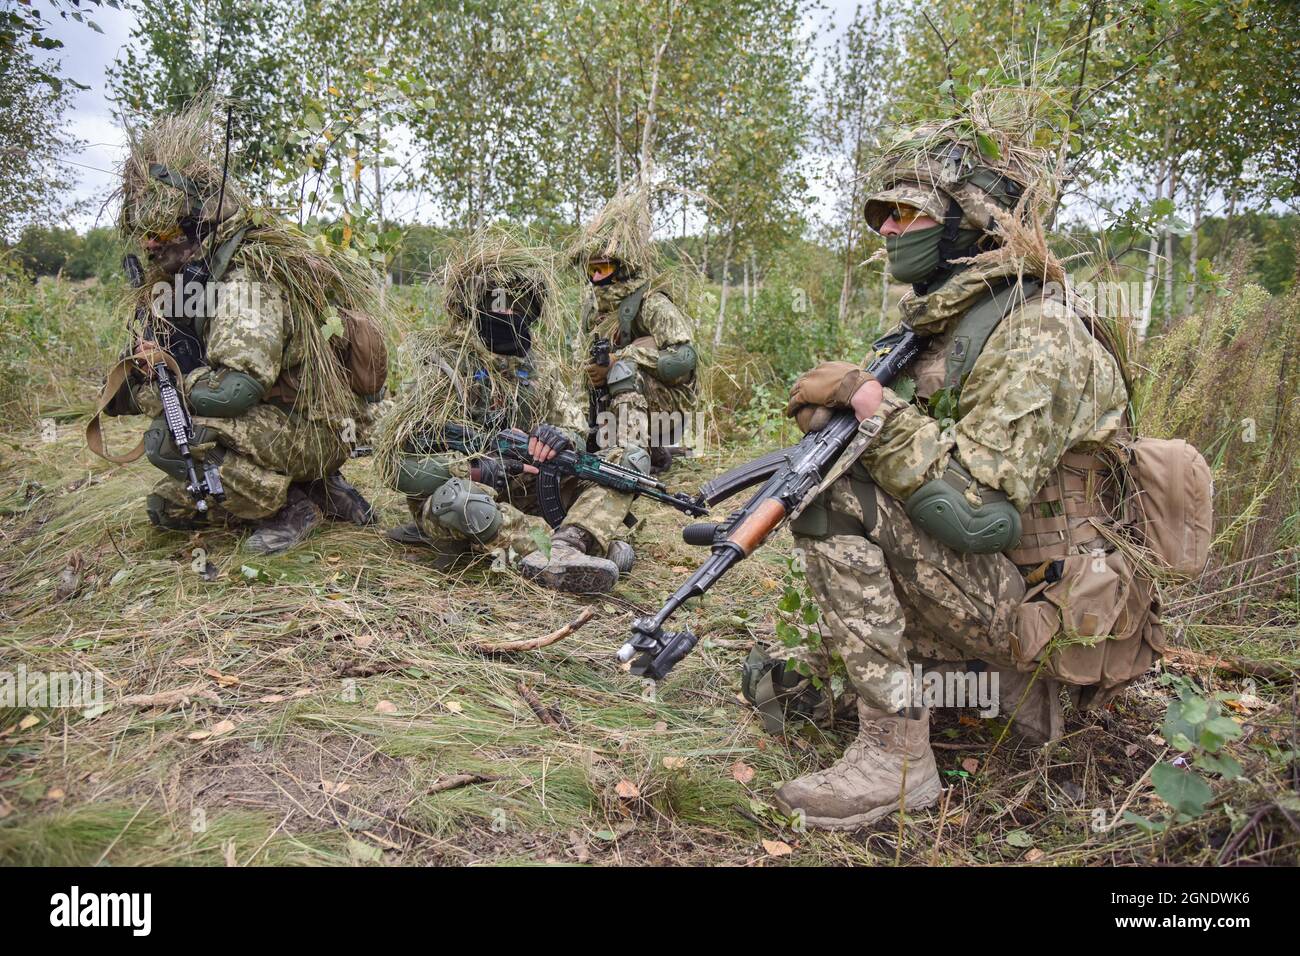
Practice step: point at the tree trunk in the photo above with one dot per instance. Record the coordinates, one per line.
(744, 273)
(1153, 257)
(1169, 254)
(726, 285)
(1193, 253)
(651, 106)
(618, 126)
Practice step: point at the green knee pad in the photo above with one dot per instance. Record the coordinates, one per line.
(162, 451)
(224, 394)
(676, 363)
(634, 456)
(462, 507)
(421, 475)
(939, 508)
(621, 378)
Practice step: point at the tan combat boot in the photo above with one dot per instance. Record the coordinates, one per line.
(890, 760)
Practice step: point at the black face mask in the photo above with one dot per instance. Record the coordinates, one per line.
(507, 333)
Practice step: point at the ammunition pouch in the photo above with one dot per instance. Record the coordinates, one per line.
(462, 507)
(780, 694)
(675, 364)
(940, 508)
(621, 378)
(421, 475)
(224, 393)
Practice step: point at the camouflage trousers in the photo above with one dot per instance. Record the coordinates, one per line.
(648, 417)
(263, 452)
(889, 592)
(601, 512)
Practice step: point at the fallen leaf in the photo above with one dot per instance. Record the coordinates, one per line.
(455, 707)
(5, 809)
(199, 735)
(1034, 855)
(385, 707)
(271, 699)
(332, 788)
(770, 583)
(970, 765)
(674, 763)
(223, 727)
(1019, 838)
(1131, 750)
(55, 793)
(28, 722)
(742, 772)
(225, 680)
(364, 852)
(777, 848)
(968, 721)
(302, 692)
(189, 662)
(627, 790)
(363, 640)
(661, 726)
(228, 852)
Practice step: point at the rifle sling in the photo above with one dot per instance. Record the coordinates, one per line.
(118, 376)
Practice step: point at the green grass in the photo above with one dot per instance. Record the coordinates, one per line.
(315, 771)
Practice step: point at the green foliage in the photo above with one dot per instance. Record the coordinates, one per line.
(1196, 726)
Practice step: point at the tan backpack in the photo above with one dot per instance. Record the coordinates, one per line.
(363, 353)
(1171, 502)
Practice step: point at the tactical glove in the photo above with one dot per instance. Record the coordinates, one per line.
(596, 374)
(548, 436)
(830, 385)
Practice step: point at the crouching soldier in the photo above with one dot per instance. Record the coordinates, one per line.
(233, 303)
(489, 371)
(977, 528)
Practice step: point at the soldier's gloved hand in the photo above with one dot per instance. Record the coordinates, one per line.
(596, 374)
(547, 441)
(830, 385)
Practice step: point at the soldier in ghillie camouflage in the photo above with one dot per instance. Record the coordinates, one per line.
(650, 379)
(492, 369)
(990, 473)
(242, 302)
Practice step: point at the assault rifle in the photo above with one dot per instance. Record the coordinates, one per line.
(505, 453)
(598, 399)
(174, 412)
(792, 477)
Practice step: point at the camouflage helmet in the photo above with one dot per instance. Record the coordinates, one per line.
(988, 160)
(620, 233)
(173, 173)
(928, 175)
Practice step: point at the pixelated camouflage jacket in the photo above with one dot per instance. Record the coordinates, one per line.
(248, 332)
(1042, 386)
(658, 319)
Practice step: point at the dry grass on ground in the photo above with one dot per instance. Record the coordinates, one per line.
(332, 697)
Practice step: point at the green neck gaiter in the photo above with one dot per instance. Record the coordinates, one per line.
(914, 255)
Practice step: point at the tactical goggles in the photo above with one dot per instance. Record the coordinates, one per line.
(904, 215)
